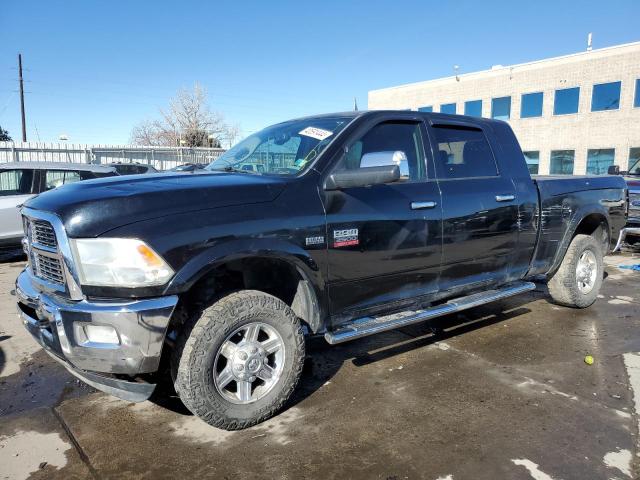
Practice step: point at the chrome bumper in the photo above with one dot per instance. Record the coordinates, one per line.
(628, 231)
(60, 326)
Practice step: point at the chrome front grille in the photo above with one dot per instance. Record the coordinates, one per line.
(47, 268)
(634, 206)
(42, 248)
(51, 263)
(42, 233)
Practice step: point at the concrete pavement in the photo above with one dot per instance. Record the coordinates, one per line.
(501, 391)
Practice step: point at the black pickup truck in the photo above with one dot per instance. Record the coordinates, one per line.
(340, 225)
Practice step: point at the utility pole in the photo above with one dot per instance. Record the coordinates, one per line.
(24, 123)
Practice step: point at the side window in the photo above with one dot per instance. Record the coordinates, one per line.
(57, 178)
(463, 153)
(16, 182)
(401, 141)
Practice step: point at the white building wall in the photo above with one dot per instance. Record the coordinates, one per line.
(619, 129)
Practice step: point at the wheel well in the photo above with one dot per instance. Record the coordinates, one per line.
(274, 276)
(596, 225)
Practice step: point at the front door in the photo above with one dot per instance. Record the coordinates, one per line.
(479, 208)
(384, 241)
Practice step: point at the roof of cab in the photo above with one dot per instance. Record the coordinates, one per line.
(433, 115)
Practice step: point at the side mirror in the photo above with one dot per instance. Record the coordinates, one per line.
(613, 170)
(363, 177)
(378, 159)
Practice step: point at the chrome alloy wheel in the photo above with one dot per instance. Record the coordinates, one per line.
(586, 271)
(249, 363)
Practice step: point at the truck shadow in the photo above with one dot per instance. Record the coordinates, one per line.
(3, 356)
(323, 361)
(12, 255)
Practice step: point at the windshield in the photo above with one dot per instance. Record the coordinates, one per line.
(283, 149)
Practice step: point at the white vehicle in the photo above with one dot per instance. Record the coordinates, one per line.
(20, 181)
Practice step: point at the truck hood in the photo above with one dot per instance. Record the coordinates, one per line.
(93, 207)
(633, 182)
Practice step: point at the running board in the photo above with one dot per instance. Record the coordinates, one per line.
(365, 326)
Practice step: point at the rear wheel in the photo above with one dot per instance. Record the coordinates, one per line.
(579, 278)
(239, 362)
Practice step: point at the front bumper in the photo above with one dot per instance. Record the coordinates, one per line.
(61, 327)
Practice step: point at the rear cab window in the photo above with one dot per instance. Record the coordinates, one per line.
(463, 152)
(16, 182)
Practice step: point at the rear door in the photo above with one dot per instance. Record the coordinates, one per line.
(16, 187)
(384, 241)
(479, 206)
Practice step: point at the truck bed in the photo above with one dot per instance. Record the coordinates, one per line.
(563, 199)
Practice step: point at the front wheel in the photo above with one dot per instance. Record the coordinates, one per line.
(238, 363)
(579, 278)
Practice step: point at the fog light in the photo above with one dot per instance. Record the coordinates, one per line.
(101, 334)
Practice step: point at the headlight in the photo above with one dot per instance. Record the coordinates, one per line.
(119, 262)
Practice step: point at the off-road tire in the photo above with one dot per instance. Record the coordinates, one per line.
(199, 341)
(563, 286)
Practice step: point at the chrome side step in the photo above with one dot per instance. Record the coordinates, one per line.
(365, 326)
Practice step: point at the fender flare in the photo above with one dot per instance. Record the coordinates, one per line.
(573, 224)
(311, 290)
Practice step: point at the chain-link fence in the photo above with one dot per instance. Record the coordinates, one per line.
(162, 158)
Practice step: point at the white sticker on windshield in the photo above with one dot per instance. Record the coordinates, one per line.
(317, 133)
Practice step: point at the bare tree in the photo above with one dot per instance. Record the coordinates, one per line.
(145, 133)
(188, 121)
(233, 134)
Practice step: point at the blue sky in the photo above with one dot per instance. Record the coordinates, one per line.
(94, 69)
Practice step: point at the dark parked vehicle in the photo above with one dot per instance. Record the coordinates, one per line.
(133, 168)
(357, 223)
(188, 167)
(20, 181)
(632, 177)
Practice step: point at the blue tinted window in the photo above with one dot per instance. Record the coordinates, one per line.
(531, 105)
(425, 109)
(636, 102)
(566, 101)
(606, 96)
(473, 108)
(448, 108)
(561, 162)
(599, 161)
(501, 108)
(533, 161)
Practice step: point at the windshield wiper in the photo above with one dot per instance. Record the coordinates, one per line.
(229, 168)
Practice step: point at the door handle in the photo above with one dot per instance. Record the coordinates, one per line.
(422, 205)
(505, 198)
